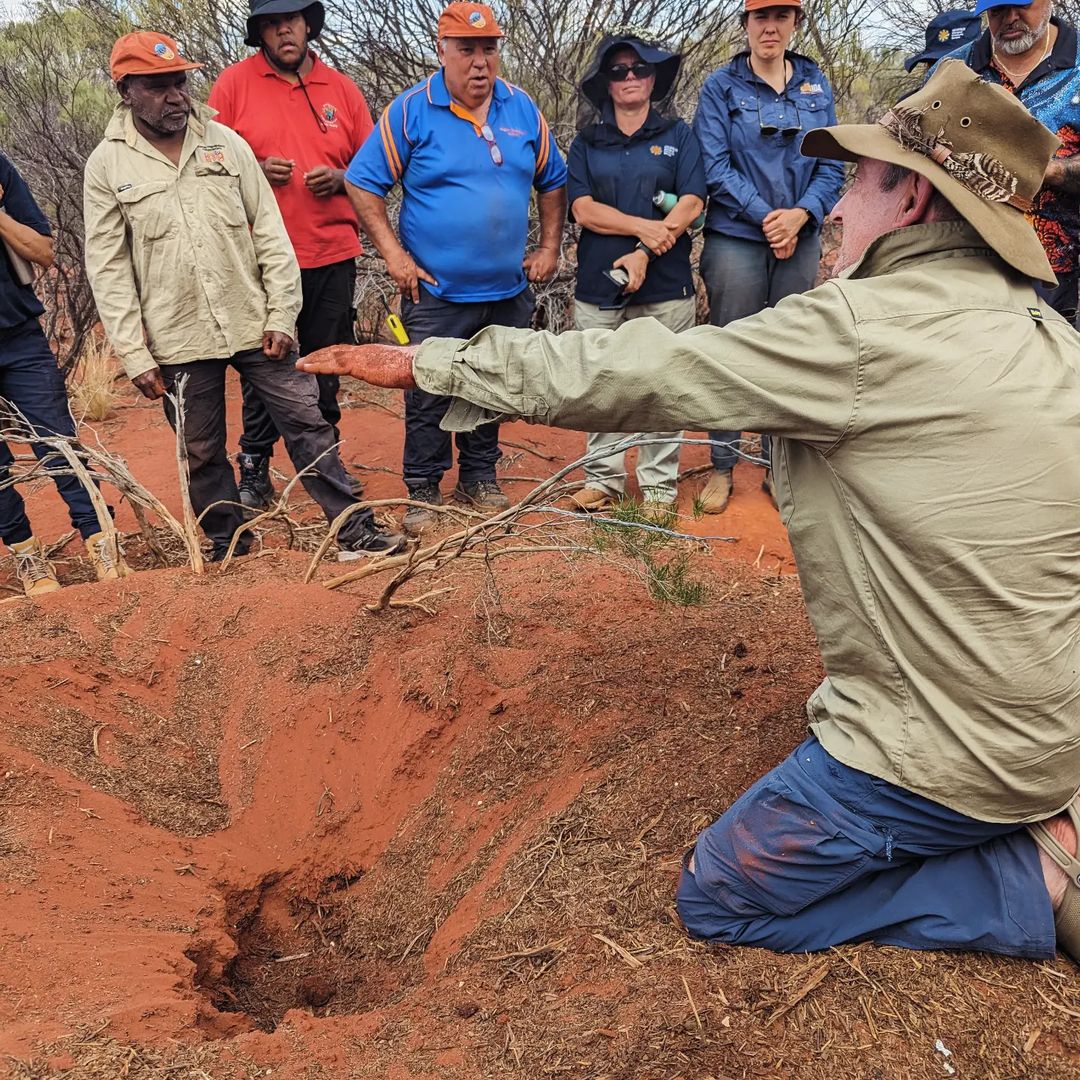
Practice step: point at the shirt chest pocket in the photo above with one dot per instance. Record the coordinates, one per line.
(219, 198)
(150, 210)
(813, 110)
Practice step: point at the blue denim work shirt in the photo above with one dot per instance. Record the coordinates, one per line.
(750, 173)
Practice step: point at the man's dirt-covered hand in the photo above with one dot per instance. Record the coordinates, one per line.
(150, 384)
(276, 345)
(380, 365)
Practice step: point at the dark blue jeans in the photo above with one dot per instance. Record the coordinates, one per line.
(31, 381)
(427, 447)
(816, 854)
(743, 277)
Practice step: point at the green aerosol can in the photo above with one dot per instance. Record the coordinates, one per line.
(665, 202)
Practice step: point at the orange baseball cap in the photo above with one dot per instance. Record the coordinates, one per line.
(468, 20)
(757, 5)
(146, 53)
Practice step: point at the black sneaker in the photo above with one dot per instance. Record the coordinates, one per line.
(256, 490)
(417, 518)
(483, 494)
(373, 540)
(219, 551)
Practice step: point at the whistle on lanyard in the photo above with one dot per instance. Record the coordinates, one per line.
(397, 328)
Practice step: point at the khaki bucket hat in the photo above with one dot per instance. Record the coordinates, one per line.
(975, 143)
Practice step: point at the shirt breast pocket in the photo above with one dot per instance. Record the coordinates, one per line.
(150, 210)
(813, 110)
(219, 195)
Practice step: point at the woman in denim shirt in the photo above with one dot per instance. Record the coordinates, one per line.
(766, 201)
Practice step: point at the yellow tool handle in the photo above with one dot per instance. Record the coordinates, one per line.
(397, 329)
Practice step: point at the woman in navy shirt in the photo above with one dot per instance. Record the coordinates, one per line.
(617, 166)
(766, 201)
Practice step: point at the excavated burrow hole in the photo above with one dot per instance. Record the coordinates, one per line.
(285, 950)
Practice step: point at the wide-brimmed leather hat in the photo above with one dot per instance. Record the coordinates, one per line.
(314, 13)
(975, 143)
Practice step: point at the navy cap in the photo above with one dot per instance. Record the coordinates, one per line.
(950, 30)
(986, 5)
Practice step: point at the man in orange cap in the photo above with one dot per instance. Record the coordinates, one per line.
(193, 273)
(468, 150)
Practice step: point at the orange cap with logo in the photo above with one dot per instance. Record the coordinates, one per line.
(468, 20)
(146, 53)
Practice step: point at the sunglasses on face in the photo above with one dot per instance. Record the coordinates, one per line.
(493, 147)
(621, 72)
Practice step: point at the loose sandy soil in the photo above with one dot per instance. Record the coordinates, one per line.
(249, 828)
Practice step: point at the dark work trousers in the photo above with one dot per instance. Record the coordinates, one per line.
(31, 381)
(427, 447)
(743, 277)
(325, 319)
(291, 398)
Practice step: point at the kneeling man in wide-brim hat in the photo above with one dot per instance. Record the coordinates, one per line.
(928, 470)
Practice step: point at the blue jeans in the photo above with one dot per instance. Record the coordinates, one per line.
(743, 277)
(427, 447)
(31, 381)
(816, 854)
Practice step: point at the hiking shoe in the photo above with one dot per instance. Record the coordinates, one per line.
(716, 493)
(419, 519)
(371, 541)
(34, 572)
(256, 490)
(591, 500)
(483, 494)
(659, 513)
(767, 487)
(107, 558)
(219, 551)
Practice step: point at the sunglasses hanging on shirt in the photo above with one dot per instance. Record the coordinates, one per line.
(621, 72)
(772, 129)
(493, 147)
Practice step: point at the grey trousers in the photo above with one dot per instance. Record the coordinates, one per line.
(292, 400)
(657, 464)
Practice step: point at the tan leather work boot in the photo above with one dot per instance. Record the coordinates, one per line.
(34, 571)
(716, 493)
(108, 564)
(664, 514)
(591, 500)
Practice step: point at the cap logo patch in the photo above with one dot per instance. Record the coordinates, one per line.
(944, 35)
(477, 20)
(163, 52)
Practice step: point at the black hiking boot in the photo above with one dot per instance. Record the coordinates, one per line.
(483, 494)
(371, 540)
(417, 518)
(256, 490)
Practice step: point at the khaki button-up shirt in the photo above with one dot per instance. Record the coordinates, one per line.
(196, 256)
(928, 472)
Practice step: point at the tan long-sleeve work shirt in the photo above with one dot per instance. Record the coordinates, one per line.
(928, 472)
(195, 256)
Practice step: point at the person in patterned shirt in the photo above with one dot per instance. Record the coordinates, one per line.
(1033, 54)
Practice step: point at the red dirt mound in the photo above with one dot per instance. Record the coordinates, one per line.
(249, 828)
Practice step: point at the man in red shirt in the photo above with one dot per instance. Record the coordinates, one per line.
(304, 121)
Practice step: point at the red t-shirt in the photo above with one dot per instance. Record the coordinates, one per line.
(273, 117)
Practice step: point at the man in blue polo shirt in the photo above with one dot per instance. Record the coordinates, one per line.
(1033, 54)
(468, 149)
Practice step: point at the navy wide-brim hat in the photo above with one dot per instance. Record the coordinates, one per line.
(594, 84)
(946, 33)
(314, 13)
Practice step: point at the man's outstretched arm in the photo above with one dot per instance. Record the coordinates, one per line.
(792, 370)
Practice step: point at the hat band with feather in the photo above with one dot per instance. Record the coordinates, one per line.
(981, 174)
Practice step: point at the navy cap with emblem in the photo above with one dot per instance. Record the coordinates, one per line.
(947, 32)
